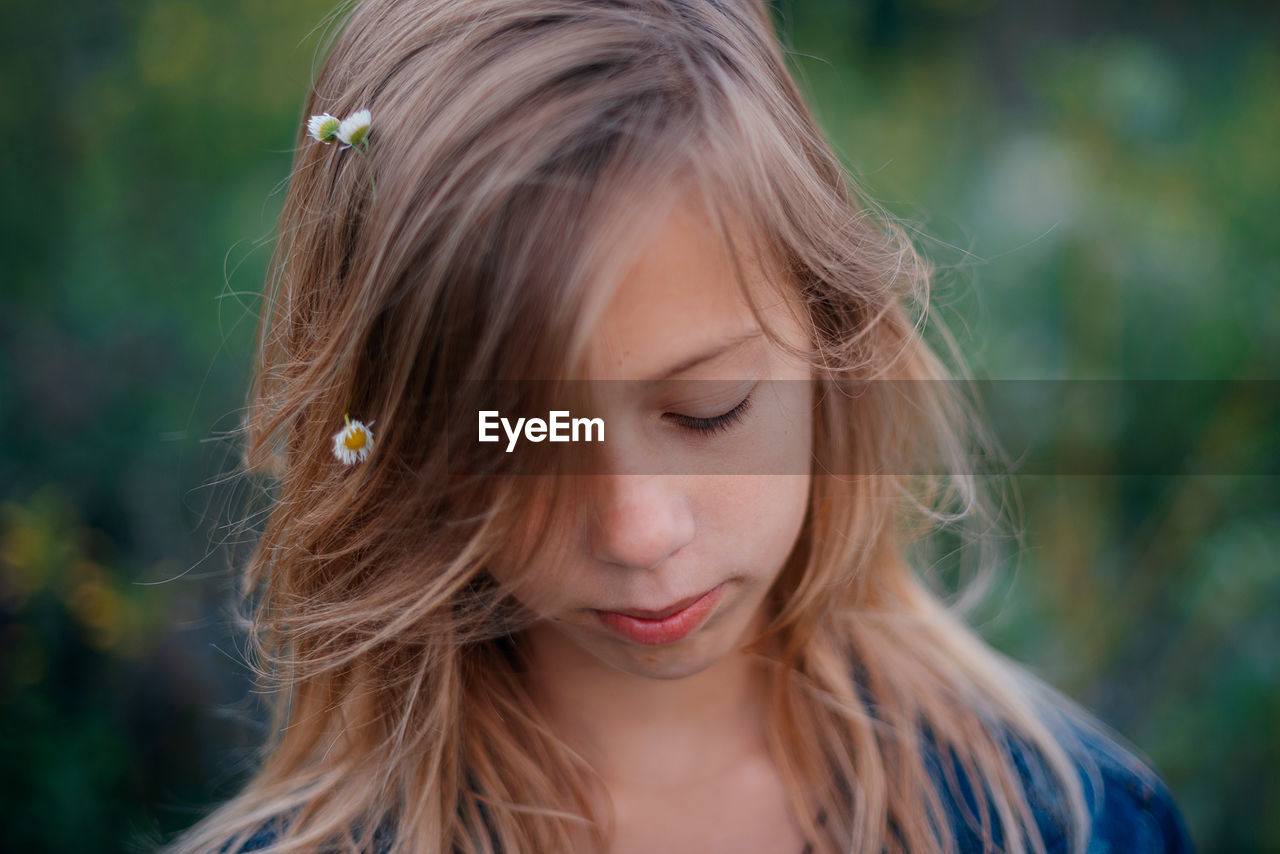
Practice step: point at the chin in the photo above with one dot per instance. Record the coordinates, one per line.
(665, 664)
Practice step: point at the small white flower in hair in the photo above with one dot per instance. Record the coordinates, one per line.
(354, 128)
(353, 443)
(324, 127)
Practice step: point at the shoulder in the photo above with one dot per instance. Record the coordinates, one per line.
(1131, 805)
(1131, 808)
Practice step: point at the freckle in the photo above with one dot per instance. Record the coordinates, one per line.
(650, 659)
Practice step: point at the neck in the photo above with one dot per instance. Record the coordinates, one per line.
(644, 732)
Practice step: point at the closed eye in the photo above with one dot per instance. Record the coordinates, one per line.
(716, 423)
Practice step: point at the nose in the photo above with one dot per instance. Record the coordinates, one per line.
(640, 520)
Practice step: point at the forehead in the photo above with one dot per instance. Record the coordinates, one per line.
(681, 295)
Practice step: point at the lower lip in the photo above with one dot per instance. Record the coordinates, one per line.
(670, 629)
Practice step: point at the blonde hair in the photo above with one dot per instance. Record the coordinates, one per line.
(514, 148)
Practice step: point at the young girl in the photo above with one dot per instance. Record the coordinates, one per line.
(699, 635)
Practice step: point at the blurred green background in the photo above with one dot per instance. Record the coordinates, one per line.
(1099, 184)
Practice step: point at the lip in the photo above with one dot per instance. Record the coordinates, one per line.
(664, 626)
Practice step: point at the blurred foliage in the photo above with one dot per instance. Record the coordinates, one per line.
(1096, 183)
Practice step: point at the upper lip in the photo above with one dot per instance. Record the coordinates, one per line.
(661, 613)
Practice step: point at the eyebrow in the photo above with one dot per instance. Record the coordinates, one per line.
(719, 350)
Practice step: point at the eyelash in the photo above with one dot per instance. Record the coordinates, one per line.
(716, 423)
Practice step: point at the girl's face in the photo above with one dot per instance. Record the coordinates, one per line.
(663, 574)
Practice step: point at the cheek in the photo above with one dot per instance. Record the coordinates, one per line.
(544, 587)
(534, 563)
(780, 442)
(756, 519)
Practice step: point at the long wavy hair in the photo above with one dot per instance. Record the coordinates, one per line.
(516, 148)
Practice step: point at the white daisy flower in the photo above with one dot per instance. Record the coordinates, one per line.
(353, 443)
(354, 128)
(324, 127)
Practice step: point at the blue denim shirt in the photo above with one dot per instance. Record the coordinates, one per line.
(1133, 810)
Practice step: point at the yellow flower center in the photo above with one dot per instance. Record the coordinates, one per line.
(355, 439)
